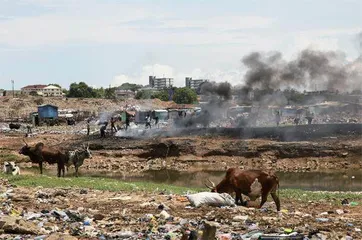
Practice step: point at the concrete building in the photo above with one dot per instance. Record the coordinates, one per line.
(124, 94)
(43, 90)
(38, 88)
(52, 91)
(160, 83)
(194, 83)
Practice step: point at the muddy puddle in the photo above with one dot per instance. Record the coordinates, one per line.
(314, 181)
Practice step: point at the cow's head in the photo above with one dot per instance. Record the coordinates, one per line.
(25, 150)
(212, 187)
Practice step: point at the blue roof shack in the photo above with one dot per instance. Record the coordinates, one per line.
(48, 111)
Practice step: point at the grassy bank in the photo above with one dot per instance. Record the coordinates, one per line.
(116, 185)
(9, 157)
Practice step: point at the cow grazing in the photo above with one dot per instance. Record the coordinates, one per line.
(11, 168)
(40, 153)
(252, 183)
(77, 158)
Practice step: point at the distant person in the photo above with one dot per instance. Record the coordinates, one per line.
(88, 127)
(309, 117)
(148, 121)
(113, 121)
(277, 118)
(28, 127)
(103, 130)
(296, 121)
(156, 121)
(127, 122)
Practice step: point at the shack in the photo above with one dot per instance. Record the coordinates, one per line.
(140, 117)
(161, 114)
(48, 113)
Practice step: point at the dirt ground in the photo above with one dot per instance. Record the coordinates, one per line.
(115, 213)
(128, 211)
(200, 153)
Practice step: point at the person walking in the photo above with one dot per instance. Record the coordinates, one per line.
(148, 121)
(127, 122)
(113, 121)
(88, 127)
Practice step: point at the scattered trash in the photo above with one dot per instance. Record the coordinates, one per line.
(339, 211)
(322, 219)
(240, 218)
(288, 230)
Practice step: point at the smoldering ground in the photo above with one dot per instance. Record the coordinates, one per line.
(218, 95)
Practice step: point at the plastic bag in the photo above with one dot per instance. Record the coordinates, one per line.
(211, 199)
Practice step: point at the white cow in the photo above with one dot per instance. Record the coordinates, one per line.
(11, 168)
(77, 158)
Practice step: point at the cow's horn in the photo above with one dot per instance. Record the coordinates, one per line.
(208, 186)
(213, 184)
(25, 142)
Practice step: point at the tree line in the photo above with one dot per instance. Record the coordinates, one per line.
(178, 95)
(186, 95)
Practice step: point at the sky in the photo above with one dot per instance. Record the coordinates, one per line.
(110, 42)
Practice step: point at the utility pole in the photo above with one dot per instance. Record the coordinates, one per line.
(12, 83)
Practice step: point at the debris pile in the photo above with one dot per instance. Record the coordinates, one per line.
(42, 213)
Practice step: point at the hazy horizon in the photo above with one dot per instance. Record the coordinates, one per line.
(113, 42)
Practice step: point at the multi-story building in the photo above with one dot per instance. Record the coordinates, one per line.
(33, 88)
(43, 90)
(52, 91)
(194, 83)
(160, 83)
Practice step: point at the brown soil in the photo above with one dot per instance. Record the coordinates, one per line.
(195, 153)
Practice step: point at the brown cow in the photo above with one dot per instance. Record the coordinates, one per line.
(40, 153)
(246, 182)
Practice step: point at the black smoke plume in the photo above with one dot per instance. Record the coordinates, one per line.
(311, 69)
(214, 109)
(222, 90)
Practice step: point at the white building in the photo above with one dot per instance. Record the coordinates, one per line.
(52, 91)
(160, 83)
(38, 88)
(43, 90)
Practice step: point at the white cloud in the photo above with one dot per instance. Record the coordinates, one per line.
(97, 22)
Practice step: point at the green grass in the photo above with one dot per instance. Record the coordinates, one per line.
(9, 157)
(319, 195)
(117, 185)
(94, 183)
